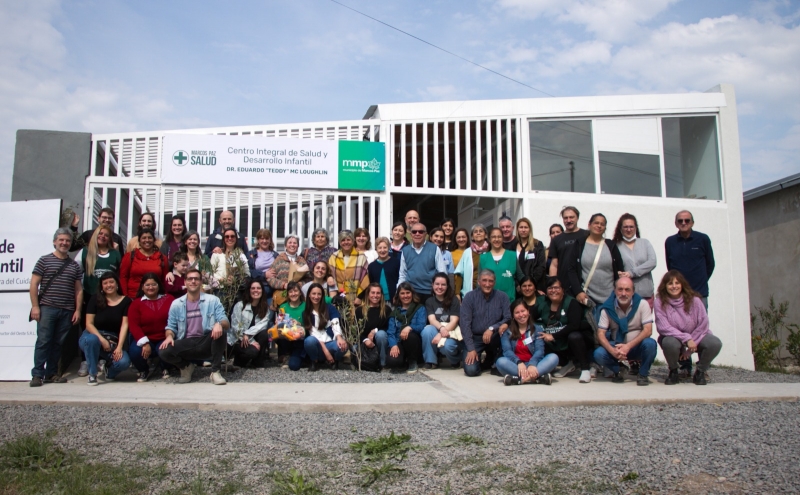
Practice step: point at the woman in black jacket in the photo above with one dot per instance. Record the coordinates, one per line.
(530, 254)
(594, 264)
(388, 262)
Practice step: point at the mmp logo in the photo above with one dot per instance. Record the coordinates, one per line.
(180, 158)
(373, 165)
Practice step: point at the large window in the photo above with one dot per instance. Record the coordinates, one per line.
(631, 174)
(562, 156)
(629, 153)
(691, 159)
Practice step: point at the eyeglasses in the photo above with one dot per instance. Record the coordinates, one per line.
(417, 231)
(683, 220)
(628, 226)
(193, 279)
(230, 237)
(553, 289)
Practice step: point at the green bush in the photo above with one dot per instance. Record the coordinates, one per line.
(766, 328)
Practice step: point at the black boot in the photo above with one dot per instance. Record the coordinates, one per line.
(699, 377)
(672, 379)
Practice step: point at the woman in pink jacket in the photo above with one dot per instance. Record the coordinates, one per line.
(682, 324)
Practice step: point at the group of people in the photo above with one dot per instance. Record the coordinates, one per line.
(480, 299)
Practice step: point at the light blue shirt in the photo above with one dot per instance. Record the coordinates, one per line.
(210, 307)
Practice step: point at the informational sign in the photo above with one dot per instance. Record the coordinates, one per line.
(17, 336)
(273, 162)
(26, 233)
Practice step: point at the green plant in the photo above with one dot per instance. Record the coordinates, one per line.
(385, 448)
(294, 483)
(352, 326)
(767, 326)
(630, 476)
(32, 452)
(373, 474)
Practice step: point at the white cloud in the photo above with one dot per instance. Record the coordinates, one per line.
(609, 20)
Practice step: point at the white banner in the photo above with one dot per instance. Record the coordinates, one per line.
(26, 233)
(17, 336)
(273, 162)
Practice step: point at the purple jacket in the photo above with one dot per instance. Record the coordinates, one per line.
(673, 321)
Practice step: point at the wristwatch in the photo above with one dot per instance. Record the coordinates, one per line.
(491, 329)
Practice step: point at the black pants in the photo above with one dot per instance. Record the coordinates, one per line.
(410, 350)
(242, 356)
(580, 346)
(196, 349)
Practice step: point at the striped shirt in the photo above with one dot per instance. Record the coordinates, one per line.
(61, 294)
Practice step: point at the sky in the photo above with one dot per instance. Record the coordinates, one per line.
(117, 66)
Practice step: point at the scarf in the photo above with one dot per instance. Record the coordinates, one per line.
(622, 324)
(480, 249)
(404, 320)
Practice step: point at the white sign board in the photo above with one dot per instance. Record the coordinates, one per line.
(26, 233)
(17, 336)
(273, 162)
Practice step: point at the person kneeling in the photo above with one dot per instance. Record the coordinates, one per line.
(682, 324)
(248, 338)
(523, 359)
(623, 332)
(321, 321)
(195, 330)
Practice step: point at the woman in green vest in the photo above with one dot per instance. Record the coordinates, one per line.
(503, 263)
(290, 352)
(566, 331)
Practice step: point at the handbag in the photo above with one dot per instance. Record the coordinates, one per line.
(49, 283)
(370, 358)
(112, 338)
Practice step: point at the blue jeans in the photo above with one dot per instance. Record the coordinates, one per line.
(295, 350)
(546, 365)
(139, 362)
(51, 330)
(644, 352)
(452, 349)
(492, 348)
(314, 349)
(382, 341)
(90, 345)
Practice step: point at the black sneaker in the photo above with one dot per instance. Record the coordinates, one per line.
(92, 381)
(642, 381)
(672, 379)
(544, 379)
(494, 371)
(36, 381)
(142, 376)
(431, 366)
(511, 380)
(699, 378)
(634, 367)
(313, 366)
(617, 378)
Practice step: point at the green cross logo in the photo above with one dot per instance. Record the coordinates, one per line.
(179, 157)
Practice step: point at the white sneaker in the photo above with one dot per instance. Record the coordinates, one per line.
(565, 370)
(186, 374)
(206, 364)
(586, 376)
(84, 369)
(218, 379)
(593, 369)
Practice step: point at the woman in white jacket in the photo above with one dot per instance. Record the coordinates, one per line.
(248, 339)
(324, 334)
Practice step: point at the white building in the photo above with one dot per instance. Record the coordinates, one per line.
(650, 155)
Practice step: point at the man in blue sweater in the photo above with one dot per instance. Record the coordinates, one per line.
(690, 253)
(419, 262)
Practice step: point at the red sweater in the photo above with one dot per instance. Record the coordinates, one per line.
(131, 272)
(148, 318)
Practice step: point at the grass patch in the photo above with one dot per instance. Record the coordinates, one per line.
(374, 474)
(293, 483)
(35, 464)
(385, 448)
(630, 476)
(555, 479)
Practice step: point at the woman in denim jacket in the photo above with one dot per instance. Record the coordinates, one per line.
(523, 359)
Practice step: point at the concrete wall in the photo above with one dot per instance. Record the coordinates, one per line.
(772, 225)
(51, 165)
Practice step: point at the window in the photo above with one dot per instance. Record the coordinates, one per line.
(631, 174)
(691, 158)
(562, 156)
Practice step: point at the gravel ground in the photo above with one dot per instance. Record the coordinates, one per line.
(687, 448)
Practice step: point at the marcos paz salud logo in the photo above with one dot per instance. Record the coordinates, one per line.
(180, 158)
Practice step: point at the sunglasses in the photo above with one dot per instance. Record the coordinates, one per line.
(683, 220)
(417, 231)
(230, 237)
(193, 279)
